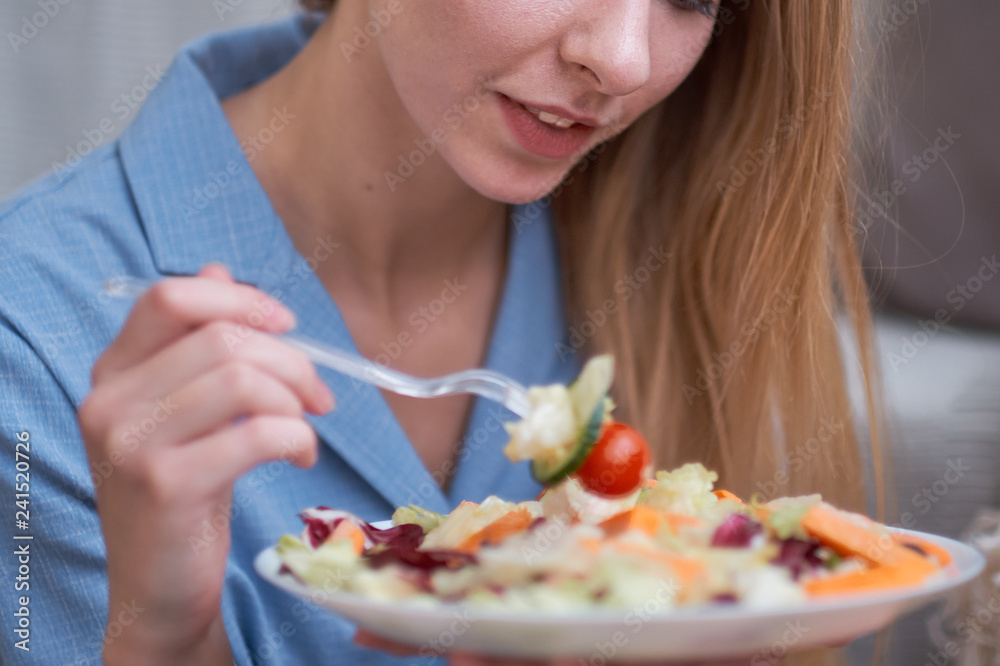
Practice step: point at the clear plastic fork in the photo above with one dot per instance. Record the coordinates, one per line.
(486, 383)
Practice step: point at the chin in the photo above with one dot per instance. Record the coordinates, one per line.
(509, 181)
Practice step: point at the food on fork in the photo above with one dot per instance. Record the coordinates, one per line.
(570, 432)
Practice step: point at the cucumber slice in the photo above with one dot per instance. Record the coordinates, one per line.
(592, 386)
(551, 473)
(589, 395)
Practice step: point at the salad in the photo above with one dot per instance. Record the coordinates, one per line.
(606, 532)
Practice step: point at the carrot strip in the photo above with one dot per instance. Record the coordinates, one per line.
(348, 530)
(942, 556)
(510, 523)
(853, 534)
(471, 543)
(507, 524)
(686, 569)
(725, 494)
(640, 518)
(675, 521)
(877, 578)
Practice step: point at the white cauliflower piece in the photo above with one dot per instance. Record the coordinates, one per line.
(549, 431)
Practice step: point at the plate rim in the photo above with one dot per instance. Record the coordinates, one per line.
(267, 562)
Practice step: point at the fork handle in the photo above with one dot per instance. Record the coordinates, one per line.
(508, 393)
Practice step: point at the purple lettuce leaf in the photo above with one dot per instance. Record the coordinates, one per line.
(799, 556)
(400, 545)
(736, 531)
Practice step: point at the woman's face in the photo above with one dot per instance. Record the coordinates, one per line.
(495, 84)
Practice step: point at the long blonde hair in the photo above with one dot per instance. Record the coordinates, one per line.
(729, 354)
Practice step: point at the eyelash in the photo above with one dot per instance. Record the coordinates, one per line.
(707, 8)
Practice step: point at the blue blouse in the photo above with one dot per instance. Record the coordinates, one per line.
(175, 192)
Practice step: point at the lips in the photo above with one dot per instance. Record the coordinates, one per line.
(550, 118)
(545, 133)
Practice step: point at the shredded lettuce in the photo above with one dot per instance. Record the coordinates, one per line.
(327, 567)
(416, 515)
(687, 489)
(787, 513)
(464, 521)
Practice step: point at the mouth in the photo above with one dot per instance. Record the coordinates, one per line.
(547, 132)
(550, 118)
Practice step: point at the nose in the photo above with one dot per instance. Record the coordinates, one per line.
(610, 42)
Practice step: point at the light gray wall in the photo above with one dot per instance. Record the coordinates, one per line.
(62, 84)
(935, 216)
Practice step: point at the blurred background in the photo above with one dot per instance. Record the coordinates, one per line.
(74, 72)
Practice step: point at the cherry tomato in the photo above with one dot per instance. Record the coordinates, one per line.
(618, 462)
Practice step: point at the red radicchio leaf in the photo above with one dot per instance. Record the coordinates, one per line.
(798, 555)
(399, 545)
(317, 529)
(407, 535)
(736, 531)
(321, 521)
(426, 560)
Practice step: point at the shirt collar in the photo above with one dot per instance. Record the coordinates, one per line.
(197, 197)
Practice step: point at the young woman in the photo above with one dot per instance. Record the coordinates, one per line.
(436, 184)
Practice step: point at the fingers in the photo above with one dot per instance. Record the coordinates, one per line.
(216, 271)
(175, 306)
(233, 451)
(217, 372)
(218, 344)
(219, 397)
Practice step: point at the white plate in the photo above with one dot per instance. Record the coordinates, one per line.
(596, 637)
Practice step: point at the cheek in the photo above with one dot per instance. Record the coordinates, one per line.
(439, 53)
(671, 61)
(444, 59)
(441, 49)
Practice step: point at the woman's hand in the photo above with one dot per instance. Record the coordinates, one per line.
(188, 398)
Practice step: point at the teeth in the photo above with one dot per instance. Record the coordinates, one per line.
(550, 118)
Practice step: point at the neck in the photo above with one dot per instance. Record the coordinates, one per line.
(341, 130)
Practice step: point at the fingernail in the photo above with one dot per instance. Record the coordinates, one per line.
(324, 396)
